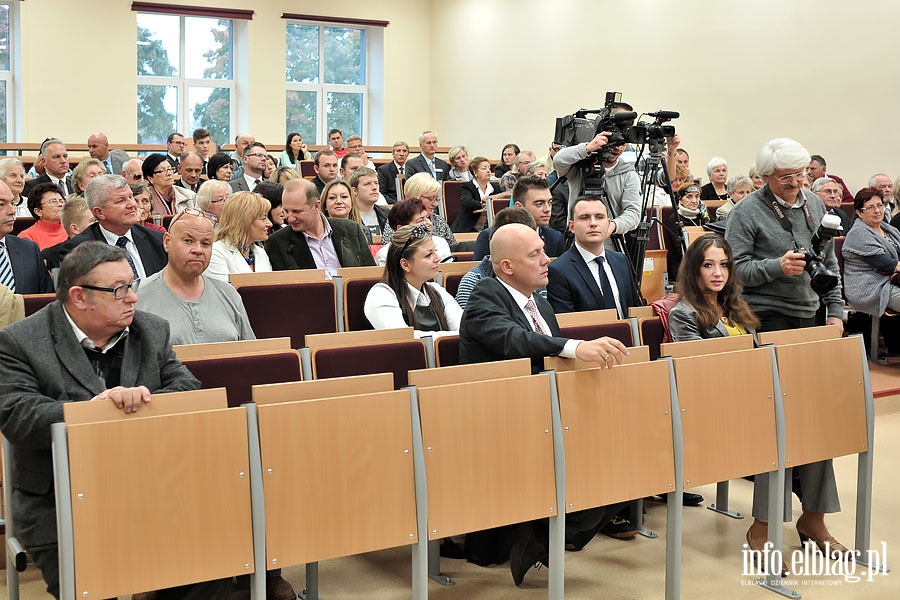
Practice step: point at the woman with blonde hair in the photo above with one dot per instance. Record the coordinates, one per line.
(424, 187)
(86, 170)
(406, 295)
(459, 159)
(212, 195)
(337, 201)
(244, 223)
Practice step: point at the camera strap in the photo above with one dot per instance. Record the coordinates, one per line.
(783, 220)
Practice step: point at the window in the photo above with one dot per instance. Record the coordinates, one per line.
(7, 121)
(327, 80)
(185, 76)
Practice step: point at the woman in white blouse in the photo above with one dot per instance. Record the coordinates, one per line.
(406, 295)
(244, 223)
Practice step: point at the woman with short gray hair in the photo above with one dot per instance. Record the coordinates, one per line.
(717, 169)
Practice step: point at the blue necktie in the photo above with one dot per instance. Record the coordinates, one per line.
(6, 273)
(609, 301)
(121, 243)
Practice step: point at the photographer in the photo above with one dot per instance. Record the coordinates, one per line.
(766, 230)
(623, 186)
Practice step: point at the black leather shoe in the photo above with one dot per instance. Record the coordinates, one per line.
(689, 499)
(525, 553)
(278, 588)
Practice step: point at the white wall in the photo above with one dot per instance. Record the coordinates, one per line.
(485, 73)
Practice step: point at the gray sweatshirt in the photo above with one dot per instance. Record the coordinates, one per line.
(758, 242)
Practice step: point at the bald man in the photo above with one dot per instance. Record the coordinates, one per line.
(98, 147)
(199, 309)
(506, 319)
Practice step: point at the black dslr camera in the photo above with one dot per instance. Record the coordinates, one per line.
(821, 280)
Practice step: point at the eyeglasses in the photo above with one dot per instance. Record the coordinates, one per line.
(257, 155)
(418, 232)
(119, 292)
(798, 176)
(137, 176)
(164, 171)
(53, 202)
(194, 212)
(829, 192)
(874, 207)
(177, 143)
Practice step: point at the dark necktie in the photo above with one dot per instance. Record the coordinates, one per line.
(62, 188)
(121, 243)
(6, 273)
(531, 309)
(255, 183)
(609, 301)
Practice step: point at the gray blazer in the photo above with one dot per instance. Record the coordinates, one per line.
(42, 366)
(683, 325)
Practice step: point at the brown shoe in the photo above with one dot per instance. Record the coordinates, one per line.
(278, 588)
(144, 596)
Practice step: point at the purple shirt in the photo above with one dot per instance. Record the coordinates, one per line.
(323, 251)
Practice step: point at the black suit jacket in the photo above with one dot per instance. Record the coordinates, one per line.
(387, 181)
(287, 249)
(149, 244)
(29, 185)
(420, 165)
(28, 268)
(42, 366)
(469, 201)
(572, 288)
(554, 243)
(493, 327)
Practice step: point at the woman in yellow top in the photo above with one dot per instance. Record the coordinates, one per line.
(711, 303)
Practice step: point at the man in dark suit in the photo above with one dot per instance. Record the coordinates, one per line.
(326, 167)
(21, 267)
(505, 319)
(427, 162)
(190, 168)
(76, 350)
(313, 241)
(533, 194)
(829, 191)
(175, 145)
(56, 168)
(115, 209)
(588, 276)
(98, 147)
(387, 173)
(254, 158)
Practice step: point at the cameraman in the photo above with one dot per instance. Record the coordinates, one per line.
(765, 229)
(623, 186)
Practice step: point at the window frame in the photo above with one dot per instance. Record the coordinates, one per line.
(13, 75)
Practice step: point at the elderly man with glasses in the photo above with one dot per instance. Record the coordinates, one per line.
(829, 191)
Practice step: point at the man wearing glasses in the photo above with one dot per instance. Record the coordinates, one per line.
(828, 190)
(174, 149)
(132, 170)
(254, 161)
(113, 205)
(89, 344)
(765, 231)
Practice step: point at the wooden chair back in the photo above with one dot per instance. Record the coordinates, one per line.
(707, 346)
(269, 277)
(500, 369)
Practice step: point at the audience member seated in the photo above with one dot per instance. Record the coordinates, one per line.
(473, 197)
(355, 146)
(199, 309)
(691, 214)
(738, 187)
(133, 170)
(336, 143)
(271, 165)
(294, 151)
(56, 168)
(111, 160)
(872, 257)
(426, 161)
(351, 162)
(717, 170)
(13, 174)
(532, 194)
(412, 212)
(326, 168)
(141, 193)
(520, 167)
(190, 167)
(175, 146)
(203, 146)
(816, 169)
(882, 183)
(76, 217)
(254, 168)
(507, 159)
(364, 188)
(241, 141)
(407, 295)
(828, 190)
(220, 167)
(45, 205)
(711, 304)
(84, 172)
(512, 214)
(387, 173)
(313, 241)
(756, 178)
(272, 192)
(167, 198)
(425, 188)
(537, 169)
(21, 267)
(283, 174)
(338, 201)
(588, 276)
(459, 161)
(112, 203)
(212, 195)
(243, 224)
